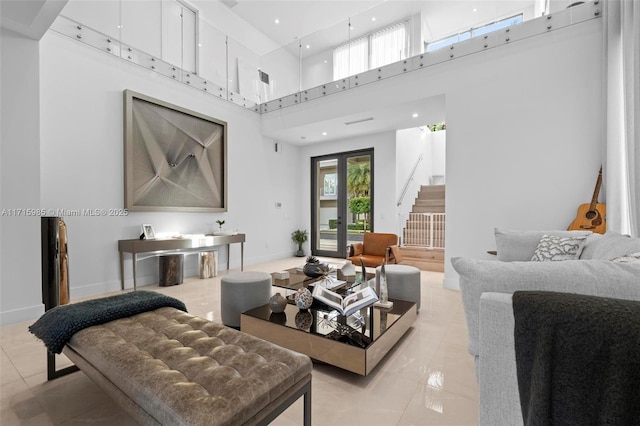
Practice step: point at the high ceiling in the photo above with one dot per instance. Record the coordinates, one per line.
(322, 24)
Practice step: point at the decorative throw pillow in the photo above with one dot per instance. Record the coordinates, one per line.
(554, 248)
(628, 258)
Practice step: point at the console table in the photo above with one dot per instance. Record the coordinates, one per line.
(175, 245)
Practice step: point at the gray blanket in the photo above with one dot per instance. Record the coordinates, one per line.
(56, 326)
(578, 359)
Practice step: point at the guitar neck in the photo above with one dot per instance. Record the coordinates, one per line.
(594, 199)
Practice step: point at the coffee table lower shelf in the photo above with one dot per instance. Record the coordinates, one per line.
(281, 330)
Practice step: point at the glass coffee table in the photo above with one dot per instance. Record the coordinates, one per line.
(356, 343)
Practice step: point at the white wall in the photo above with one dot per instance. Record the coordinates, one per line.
(438, 153)
(524, 133)
(410, 144)
(78, 163)
(20, 289)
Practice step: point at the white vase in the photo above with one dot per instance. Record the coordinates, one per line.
(348, 269)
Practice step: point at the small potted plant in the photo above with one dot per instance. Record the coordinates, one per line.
(220, 223)
(300, 236)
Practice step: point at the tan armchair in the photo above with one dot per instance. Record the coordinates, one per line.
(373, 250)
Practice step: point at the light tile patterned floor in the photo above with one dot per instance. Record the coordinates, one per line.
(427, 379)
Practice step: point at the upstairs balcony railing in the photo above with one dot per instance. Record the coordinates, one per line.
(176, 40)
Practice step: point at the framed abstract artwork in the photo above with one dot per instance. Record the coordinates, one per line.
(174, 159)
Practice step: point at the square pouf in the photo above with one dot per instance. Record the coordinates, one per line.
(403, 282)
(241, 291)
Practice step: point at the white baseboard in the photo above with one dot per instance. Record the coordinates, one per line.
(16, 316)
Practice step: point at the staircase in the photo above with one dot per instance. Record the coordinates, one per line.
(423, 234)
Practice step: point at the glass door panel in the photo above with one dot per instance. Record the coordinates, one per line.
(358, 190)
(327, 212)
(341, 201)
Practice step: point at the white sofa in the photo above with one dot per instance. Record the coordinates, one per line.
(487, 287)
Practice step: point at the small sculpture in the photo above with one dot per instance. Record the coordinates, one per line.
(314, 269)
(277, 303)
(303, 298)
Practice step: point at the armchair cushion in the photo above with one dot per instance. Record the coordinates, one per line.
(356, 249)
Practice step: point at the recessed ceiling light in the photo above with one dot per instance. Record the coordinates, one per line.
(325, 61)
(350, 27)
(475, 9)
(277, 21)
(308, 47)
(373, 19)
(414, 115)
(199, 44)
(324, 133)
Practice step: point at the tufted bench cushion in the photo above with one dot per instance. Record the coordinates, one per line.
(172, 368)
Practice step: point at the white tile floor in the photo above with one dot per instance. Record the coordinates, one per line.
(427, 379)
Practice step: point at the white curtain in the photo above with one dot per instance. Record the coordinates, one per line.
(388, 46)
(622, 170)
(351, 58)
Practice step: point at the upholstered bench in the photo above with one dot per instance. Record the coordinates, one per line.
(168, 367)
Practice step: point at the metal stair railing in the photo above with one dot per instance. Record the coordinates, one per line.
(406, 185)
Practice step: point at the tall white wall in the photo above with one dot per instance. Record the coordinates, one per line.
(524, 133)
(20, 289)
(410, 144)
(74, 160)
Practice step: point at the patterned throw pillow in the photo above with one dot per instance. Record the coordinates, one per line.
(628, 258)
(554, 248)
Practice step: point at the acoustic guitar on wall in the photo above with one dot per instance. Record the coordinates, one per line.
(591, 217)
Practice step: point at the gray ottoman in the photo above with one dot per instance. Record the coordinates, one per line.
(241, 291)
(403, 282)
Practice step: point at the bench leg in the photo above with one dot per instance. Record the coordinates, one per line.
(52, 373)
(307, 407)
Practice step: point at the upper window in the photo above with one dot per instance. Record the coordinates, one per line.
(380, 48)
(474, 32)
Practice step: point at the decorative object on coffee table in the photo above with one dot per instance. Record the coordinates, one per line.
(277, 303)
(382, 290)
(303, 298)
(348, 270)
(314, 269)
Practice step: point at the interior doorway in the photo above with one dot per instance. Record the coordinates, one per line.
(341, 200)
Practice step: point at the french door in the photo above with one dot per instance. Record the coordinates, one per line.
(341, 201)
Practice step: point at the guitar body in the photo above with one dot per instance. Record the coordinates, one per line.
(589, 219)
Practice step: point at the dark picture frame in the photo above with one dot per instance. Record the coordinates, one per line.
(175, 159)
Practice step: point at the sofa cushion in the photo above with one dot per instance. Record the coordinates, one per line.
(590, 245)
(515, 246)
(594, 277)
(613, 245)
(554, 248)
